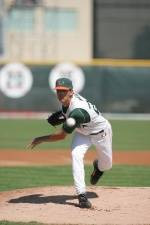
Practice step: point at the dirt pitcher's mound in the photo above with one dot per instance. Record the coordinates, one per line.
(58, 205)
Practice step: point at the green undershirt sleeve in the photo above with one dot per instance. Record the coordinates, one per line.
(81, 116)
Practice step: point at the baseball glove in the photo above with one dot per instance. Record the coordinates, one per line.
(56, 118)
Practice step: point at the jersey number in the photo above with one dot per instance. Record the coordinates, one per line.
(91, 106)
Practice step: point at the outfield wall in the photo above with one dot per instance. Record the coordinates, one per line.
(113, 88)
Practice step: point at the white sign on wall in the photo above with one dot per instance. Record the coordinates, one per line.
(15, 80)
(67, 70)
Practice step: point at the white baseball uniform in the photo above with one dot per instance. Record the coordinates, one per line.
(93, 129)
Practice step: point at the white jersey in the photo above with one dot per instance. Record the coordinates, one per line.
(97, 121)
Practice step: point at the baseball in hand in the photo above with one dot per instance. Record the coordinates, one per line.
(70, 122)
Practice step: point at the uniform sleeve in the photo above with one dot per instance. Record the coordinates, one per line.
(81, 116)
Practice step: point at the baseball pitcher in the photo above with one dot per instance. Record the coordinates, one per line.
(90, 127)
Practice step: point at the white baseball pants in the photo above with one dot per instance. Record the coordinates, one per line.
(80, 144)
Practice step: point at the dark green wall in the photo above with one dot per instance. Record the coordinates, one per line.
(111, 89)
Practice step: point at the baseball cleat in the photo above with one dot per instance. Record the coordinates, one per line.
(84, 202)
(95, 176)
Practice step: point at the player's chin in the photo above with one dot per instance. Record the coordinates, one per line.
(62, 101)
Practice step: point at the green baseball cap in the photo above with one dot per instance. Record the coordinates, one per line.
(63, 84)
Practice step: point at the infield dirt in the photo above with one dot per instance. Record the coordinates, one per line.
(58, 205)
(62, 157)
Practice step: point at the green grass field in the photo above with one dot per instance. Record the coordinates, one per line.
(127, 135)
(25, 177)
(19, 223)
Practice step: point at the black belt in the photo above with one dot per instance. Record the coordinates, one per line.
(101, 131)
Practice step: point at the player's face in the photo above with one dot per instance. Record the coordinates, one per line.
(64, 96)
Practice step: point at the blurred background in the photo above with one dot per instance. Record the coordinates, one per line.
(102, 45)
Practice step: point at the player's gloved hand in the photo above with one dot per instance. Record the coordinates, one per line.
(56, 118)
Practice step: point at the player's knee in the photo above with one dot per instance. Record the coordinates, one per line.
(107, 165)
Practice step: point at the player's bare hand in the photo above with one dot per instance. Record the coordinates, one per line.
(35, 141)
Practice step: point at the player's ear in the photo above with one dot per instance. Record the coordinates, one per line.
(71, 93)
